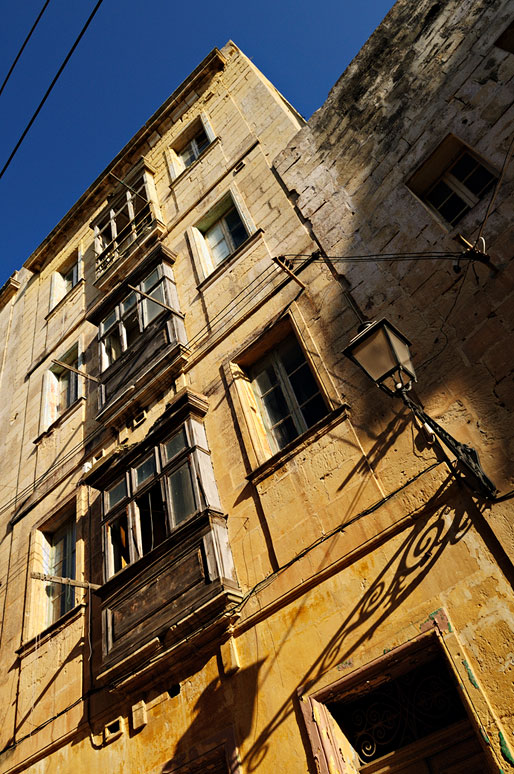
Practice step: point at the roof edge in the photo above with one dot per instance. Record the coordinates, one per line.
(213, 62)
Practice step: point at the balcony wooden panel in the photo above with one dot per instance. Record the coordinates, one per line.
(163, 593)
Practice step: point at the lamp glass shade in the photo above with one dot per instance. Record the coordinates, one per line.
(374, 355)
(400, 346)
(383, 353)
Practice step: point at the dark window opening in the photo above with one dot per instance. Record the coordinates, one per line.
(194, 148)
(400, 711)
(118, 532)
(453, 180)
(152, 518)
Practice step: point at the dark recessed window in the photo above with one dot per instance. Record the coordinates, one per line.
(400, 711)
(453, 180)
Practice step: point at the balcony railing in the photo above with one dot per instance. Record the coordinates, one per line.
(126, 240)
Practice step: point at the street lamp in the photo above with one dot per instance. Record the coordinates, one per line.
(382, 352)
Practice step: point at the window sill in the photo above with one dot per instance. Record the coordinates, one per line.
(70, 294)
(312, 434)
(55, 628)
(178, 537)
(61, 418)
(213, 276)
(191, 167)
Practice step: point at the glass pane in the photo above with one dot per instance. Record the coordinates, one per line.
(479, 180)
(181, 493)
(439, 194)
(128, 302)
(374, 354)
(150, 281)
(151, 310)
(112, 346)
(122, 220)
(68, 386)
(143, 217)
(291, 354)
(188, 155)
(235, 227)
(105, 233)
(202, 141)
(217, 243)
(314, 410)
(152, 518)
(62, 564)
(275, 405)
(463, 167)
(145, 470)
(70, 278)
(116, 493)
(108, 321)
(118, 536)
(265, 380)
(402, 352)
(64, 390)
(139, 197)
(303, 383)
(453, 209)
(284, 432)
(131, 326)
(177, 443)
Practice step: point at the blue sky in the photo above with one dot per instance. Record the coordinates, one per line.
(133, 55)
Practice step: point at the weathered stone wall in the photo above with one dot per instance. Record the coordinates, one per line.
(348, 540)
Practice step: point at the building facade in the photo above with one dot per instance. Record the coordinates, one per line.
(223, 550)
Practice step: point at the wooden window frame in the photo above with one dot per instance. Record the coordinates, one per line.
(438, 168)
(141, 304)
(202, 254)
(187, 137)
(253, 431)
(196, 454)
(60, 286)
(119, 238)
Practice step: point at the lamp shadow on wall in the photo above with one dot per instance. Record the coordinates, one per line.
(226, 699)
(441, 522)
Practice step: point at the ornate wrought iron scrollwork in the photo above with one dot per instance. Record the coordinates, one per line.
(400, 711)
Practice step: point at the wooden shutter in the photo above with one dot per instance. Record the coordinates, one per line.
(332, 751)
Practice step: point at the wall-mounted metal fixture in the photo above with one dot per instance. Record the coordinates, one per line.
(382, 352)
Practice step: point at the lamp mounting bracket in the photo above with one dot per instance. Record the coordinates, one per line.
(466, 456)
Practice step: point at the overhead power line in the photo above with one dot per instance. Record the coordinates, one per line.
(54, 81)
(20, 52)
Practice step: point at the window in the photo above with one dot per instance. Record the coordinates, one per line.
(59, 561)
(194, 148)
(61, 386)
(452, 181)
(121, 327)
(409, 717)
(160, 490)
(64, 281)
(190, 144)
(287, 393)
(225, 236)
(125, 219)
(132, 213)
(221, 231)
